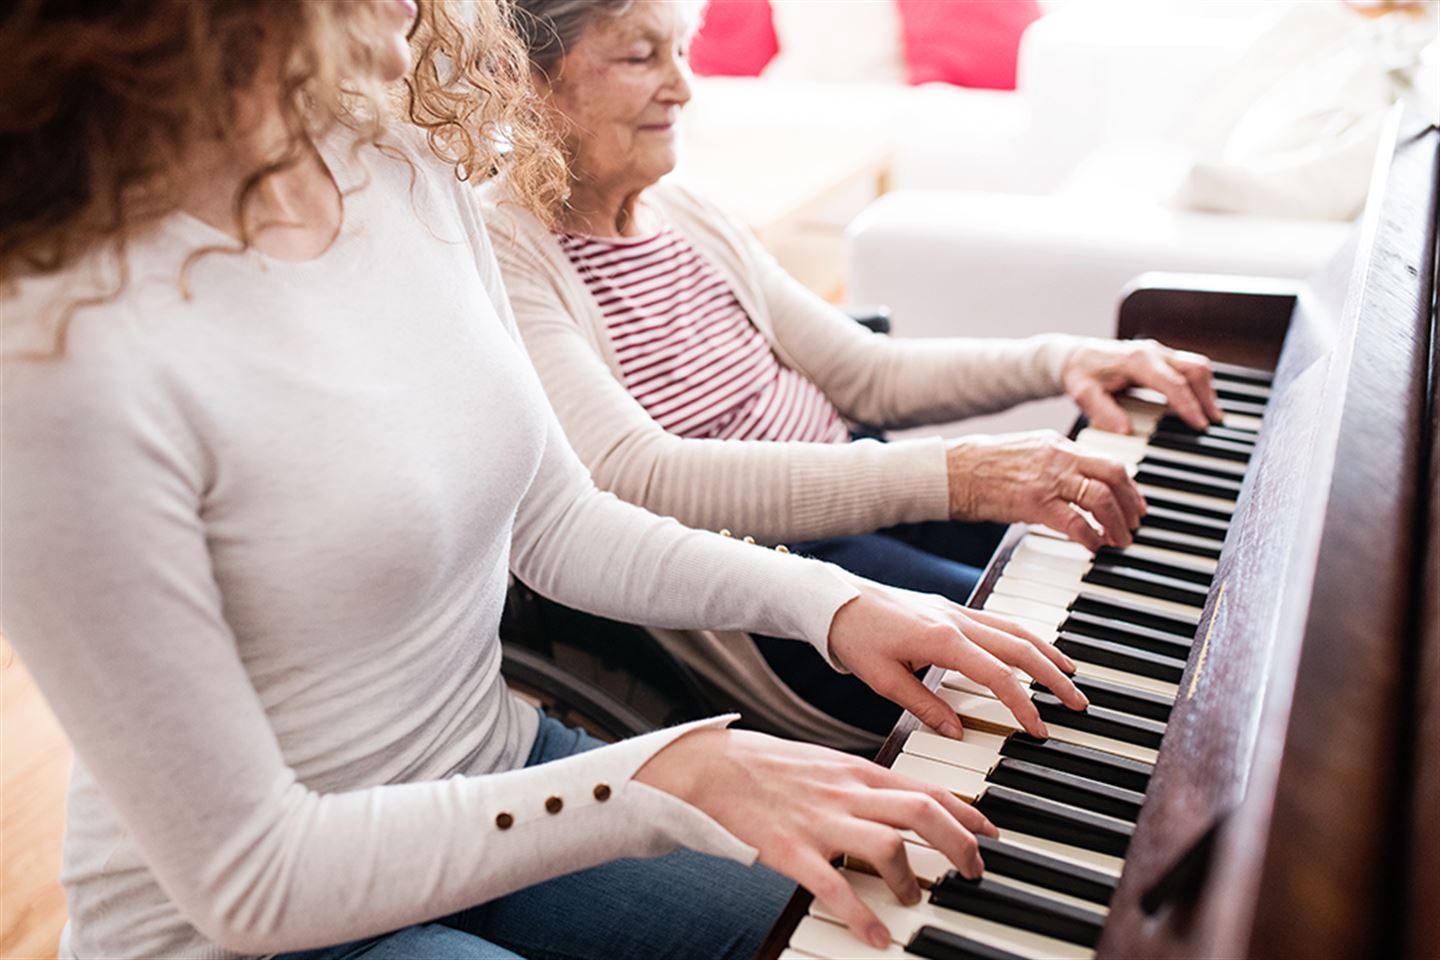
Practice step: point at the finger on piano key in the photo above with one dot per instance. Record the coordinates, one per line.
(904, 922)
(992, 716)
(815, 937)
(1123, 697)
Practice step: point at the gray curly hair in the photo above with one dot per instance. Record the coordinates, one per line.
(550, 28)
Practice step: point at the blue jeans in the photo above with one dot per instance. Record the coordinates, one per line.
(937, 557)
(683, 905)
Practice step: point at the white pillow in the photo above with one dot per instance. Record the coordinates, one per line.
(837, 41)
(1294, 131)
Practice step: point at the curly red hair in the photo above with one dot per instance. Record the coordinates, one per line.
(104, 103)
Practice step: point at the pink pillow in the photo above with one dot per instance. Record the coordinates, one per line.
(736, 39)
(972, 43)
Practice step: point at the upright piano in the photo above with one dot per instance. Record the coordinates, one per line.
(1258, 774)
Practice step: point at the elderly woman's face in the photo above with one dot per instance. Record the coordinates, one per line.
(621, 88)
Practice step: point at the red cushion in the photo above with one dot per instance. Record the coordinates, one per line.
(972, 43)
(736, 39)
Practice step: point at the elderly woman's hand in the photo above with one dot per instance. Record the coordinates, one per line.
(1098, 369)
(1040, 477)
(886, 634)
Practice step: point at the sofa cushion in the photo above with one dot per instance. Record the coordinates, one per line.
(735, 39)
(965, 43)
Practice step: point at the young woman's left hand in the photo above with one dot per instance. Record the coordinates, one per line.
(884, 635)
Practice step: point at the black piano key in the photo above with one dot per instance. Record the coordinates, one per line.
(1101, 721)
(1115, 696)
(1128, 634)
(993, 900)
(1169, 478)
(1118, 657)
(1068, 788)
(1190, 511)
(936, 944)
(1176, 568)
(1006, 859)
(1247, 407)
(1157, 458)
(1160, 516)
(1011, 809)
(1086, 761)
(1240, 390)
(1147, 584)
(1177, 541)
(1242, 374)
(1173, 424)
(1128, 612)
(1203, 444)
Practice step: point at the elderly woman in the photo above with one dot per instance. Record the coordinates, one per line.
(697, 379)
(271, 446)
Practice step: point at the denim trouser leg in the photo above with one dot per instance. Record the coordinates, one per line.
(683, 905)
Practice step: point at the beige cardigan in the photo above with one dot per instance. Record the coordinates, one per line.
(776, 492)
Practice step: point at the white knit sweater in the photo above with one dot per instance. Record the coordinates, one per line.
(773, 491)
(255, 548)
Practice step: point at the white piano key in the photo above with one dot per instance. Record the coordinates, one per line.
(1128, 448)
(1234, 468)
(966, 784)
(1051, 848)
(833, 941)
(1044, 573)
(1186, 498)
(1064, 851)
(792, 954)
(978, 751)
(1049, 604)
(1161, 555)
(1055, 896)
(1027, 554)
(956, 680)
(1242, 421)
(1042, 615)
(904, 921)
(1010, 585)
(1060, 550)
(1182, 611)
(994, 717)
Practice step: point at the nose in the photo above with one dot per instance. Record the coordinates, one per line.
(677, 85)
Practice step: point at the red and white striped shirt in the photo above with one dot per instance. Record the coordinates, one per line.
(687, 350)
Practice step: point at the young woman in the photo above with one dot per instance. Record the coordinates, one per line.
(270, 447)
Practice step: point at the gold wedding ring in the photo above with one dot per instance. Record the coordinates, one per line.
(1084, 488)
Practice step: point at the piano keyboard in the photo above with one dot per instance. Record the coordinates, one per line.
(1066, 806)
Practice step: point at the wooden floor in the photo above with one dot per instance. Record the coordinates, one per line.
(34, 765)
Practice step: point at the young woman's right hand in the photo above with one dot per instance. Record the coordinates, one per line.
(801, 806)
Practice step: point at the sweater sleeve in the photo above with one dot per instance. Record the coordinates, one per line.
(110, 599)
(887, 381)
(776, 492)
